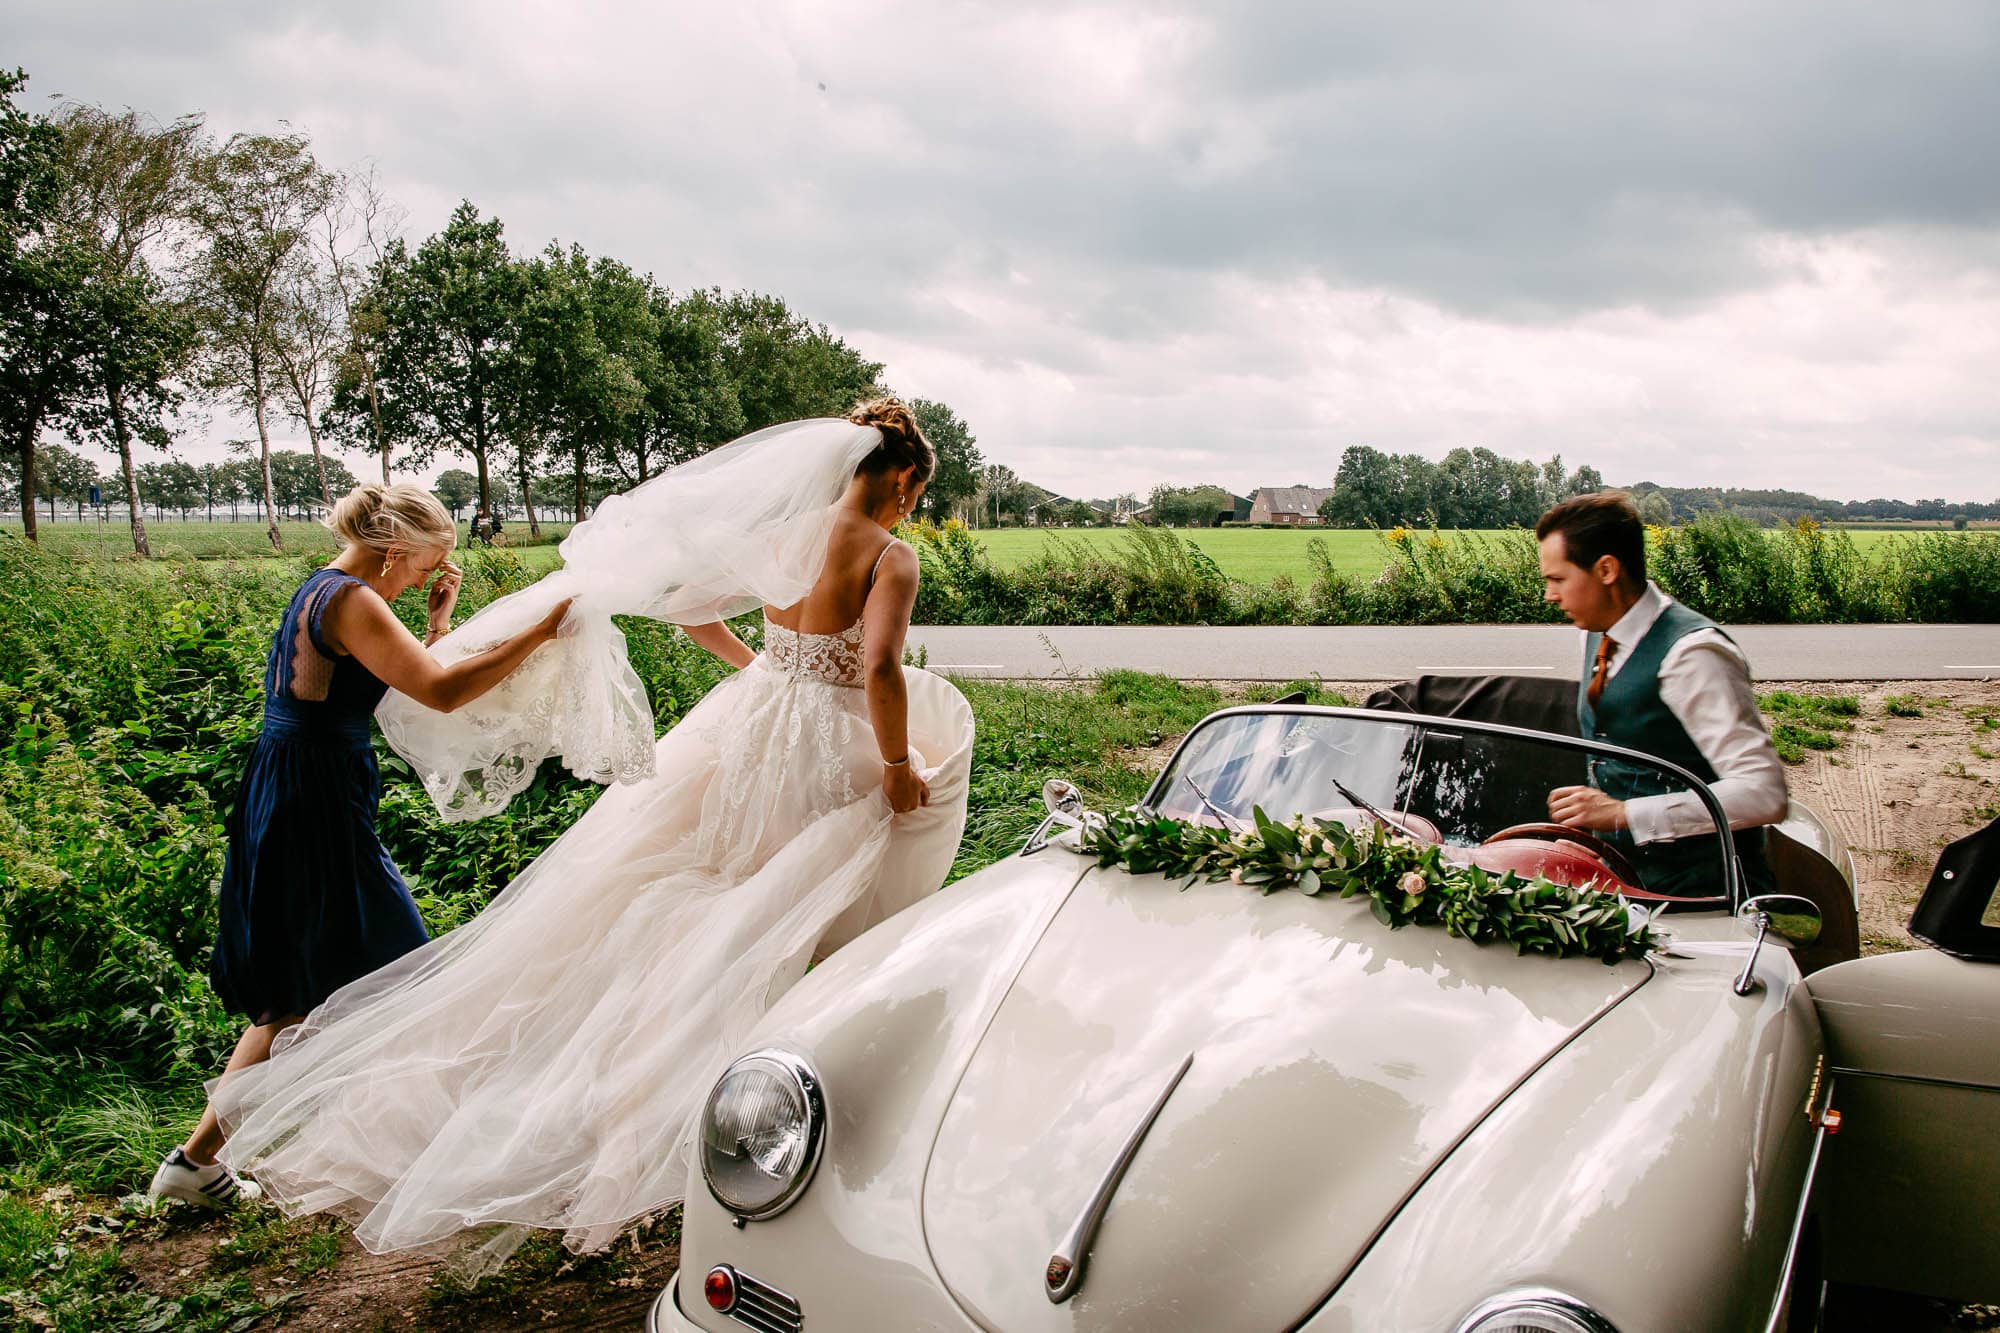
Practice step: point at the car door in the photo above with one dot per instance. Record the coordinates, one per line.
(1908, 1189)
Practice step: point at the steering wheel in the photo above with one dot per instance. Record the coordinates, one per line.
(1613, 859)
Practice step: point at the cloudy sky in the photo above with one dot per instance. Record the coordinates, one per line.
(1748, 244)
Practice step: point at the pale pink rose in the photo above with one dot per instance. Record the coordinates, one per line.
(1412, 883)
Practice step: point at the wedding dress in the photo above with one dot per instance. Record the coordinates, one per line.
(544, 1063)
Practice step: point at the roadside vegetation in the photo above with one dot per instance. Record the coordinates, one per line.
(1720, 565)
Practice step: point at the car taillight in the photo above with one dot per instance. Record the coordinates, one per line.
(720, 1288)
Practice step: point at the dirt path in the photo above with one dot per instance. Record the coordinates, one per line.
(1903, 786)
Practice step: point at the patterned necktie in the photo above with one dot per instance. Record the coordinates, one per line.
(1605, 647)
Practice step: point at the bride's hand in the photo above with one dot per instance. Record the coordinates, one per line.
(905, 790)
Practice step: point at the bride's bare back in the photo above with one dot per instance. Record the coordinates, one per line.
(856, 552)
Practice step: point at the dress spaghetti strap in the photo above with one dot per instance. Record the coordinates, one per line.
(876, 568)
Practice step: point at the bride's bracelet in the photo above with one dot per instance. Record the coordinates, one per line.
(893, 763)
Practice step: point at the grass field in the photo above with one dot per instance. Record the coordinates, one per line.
(1251, 555)
(1256, 555)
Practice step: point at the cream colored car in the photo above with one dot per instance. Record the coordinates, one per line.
(1062, 1097)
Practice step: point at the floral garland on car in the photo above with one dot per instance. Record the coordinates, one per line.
(1406, 882)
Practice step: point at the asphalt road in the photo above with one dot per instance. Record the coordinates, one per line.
(1378, 652)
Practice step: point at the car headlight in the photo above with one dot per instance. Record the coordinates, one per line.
(1535, 1311)
(761, 1133)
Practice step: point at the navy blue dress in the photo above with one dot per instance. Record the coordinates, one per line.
(310, 899)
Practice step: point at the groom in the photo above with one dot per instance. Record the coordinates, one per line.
(1664, 680)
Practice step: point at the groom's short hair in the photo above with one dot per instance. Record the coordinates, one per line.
(1596, 525)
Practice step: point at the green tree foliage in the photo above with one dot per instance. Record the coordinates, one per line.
(63, 474)
(782, 365)
(456, 488)
(295, 480)
(221, 484)
(53, 314)
(1468, 488)
(691, 404)
(450, 311)
(126, 183)
(956, 480)
(172, 485)
(1190, 506)
(253, 204)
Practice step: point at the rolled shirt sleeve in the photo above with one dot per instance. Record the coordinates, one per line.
(1705, 683)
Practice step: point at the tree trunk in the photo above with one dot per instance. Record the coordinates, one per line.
(264, 457)
(576, 500)
(527, 495)
(116, 396)
(319, 461)
(478, 416)
(375, 414)
(29, 523)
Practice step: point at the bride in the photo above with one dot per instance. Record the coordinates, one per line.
(542, 1064)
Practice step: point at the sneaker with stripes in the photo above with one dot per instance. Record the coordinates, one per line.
(211, 1186)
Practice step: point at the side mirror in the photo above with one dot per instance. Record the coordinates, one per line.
(1065, 809)
(1792, 917)
(1062, 798)
(1786, 915)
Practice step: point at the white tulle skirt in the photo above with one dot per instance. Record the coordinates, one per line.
(542, 1064)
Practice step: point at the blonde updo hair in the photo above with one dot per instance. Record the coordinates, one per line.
(379, 517)
(903, 443)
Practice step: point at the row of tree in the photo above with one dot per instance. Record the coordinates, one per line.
(1468, 488)
(1781, 506)
(143, 266)
(297, 481)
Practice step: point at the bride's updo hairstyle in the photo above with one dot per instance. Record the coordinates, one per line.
(903, 444)
(379, 517)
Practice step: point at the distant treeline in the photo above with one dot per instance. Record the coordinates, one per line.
(1476, 488)
(1772, 507)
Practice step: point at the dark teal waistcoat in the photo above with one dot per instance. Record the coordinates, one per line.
(1631, 713)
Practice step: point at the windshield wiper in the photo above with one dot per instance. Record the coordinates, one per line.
(1228, 821)
(1354, 798)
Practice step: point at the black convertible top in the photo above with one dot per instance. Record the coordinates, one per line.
(1536, 702)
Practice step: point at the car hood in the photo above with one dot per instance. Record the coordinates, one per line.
(1335, 1063)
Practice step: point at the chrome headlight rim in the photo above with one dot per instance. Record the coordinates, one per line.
(1529, 1301)
(812, 1092)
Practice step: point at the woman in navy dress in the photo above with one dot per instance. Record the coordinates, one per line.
(310, 899)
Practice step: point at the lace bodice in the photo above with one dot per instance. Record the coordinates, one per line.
(833, 658)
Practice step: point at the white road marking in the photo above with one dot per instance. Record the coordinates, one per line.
(1990, 666)
(968, 666)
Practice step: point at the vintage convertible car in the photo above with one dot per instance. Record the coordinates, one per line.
(1061, 1096)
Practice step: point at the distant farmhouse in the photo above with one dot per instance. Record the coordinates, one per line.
(1296, 506)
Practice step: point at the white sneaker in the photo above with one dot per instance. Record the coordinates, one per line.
(211, 1186)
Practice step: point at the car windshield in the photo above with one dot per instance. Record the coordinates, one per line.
(1479, 792)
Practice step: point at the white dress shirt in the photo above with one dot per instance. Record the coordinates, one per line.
(1705, 683)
